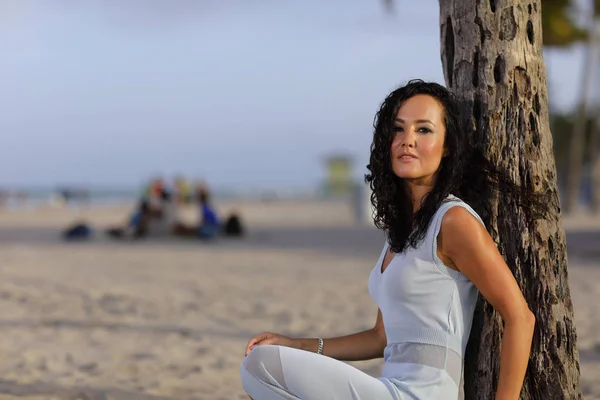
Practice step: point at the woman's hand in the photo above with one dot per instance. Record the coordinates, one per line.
(270, 338)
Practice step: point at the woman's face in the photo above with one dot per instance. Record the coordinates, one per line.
(418, 145)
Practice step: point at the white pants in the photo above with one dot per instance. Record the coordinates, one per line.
(276, 372)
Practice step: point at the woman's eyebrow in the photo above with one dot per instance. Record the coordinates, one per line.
(418, 121)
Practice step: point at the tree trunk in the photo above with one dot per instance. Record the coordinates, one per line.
(492, 59)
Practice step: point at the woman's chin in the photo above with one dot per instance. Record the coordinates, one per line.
(408, 175)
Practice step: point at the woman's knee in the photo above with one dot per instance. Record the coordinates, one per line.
(264, 364)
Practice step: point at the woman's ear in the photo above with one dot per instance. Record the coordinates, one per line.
(446, 152)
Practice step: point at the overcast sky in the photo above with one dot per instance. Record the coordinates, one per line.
(111, 92)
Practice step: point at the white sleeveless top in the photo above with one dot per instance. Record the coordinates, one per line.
(427, 311)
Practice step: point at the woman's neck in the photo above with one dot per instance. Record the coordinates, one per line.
(417, 194)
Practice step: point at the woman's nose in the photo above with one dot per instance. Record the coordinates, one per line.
(408, 139)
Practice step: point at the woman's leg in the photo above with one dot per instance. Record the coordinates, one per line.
(278, 373)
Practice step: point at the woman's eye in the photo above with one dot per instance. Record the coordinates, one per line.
(424, 130)
(398, 129)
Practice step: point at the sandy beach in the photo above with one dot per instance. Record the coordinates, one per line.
(169, 319)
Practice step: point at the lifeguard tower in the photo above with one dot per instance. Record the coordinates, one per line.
(338, 181)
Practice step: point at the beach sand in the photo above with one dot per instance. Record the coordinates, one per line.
(168, 319)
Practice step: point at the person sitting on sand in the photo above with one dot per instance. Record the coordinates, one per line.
(152, 213)
(431, 195)
(209, 225)
(183, 192)
(164, 222)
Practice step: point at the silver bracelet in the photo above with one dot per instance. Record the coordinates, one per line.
(320, 348)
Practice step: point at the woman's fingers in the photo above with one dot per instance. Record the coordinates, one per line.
(253, 341)
(271, 340)
(258, 339)
(250, 344)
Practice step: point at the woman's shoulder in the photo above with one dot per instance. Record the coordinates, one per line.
(454, 207)
(453, 199)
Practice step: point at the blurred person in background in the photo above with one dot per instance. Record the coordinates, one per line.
(209, 224)
(183, 190)
(154, 211)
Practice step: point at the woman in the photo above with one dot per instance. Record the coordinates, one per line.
(437, 257)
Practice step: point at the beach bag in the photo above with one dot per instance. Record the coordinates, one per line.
(233, 226)
(78, 231)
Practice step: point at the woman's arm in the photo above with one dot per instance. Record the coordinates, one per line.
(467, 244)
(360, 346)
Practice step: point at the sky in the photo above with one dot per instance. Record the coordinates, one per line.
(109, 93)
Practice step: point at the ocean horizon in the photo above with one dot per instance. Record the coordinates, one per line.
(27, 197)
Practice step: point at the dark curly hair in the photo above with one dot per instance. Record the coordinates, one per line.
(465, 172)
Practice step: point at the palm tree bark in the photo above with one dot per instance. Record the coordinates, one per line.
(492, 59)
